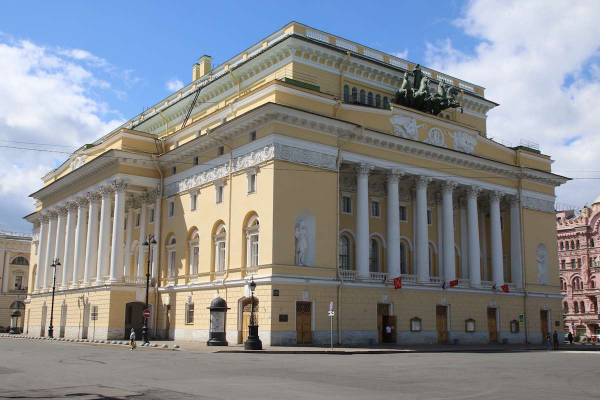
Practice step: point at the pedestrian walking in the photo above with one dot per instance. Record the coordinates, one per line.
(555, 339)
(570, 337)
(132, 339)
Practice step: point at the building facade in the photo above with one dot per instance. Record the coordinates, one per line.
(578, 237)
(15, 250)
(322, 170)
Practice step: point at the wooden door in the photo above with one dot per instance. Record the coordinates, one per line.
(383, 310)
(492, 325)
(544, 323)
(168, 322)
(303, 322)
(441, 323)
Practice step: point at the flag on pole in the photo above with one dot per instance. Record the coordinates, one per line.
(398, 283)
(454, 283)
(505, 288)
(494, 288)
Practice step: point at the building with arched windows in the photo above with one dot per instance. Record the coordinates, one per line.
(301, 165)
(15, 252)
(578, 236)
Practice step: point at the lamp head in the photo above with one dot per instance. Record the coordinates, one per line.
(252, 285)
(145, 243)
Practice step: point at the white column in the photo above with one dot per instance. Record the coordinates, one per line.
(496, 238)
(59, 252)
(483, 244)
(127, 258)
(464, 243)
(103, 246)
(440, 234)
(516, 269)
(473, 234)
(141, 268)
(118, 235)
(362, 220)
(80, 232)
(156, 251)
(52, 215)
(5, 271)
(67, 264)
(91, 255)
(393, 223)
(448, 211)
(41, 252)
(422, 239)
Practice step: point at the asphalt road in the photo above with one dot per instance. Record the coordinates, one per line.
(40, 369)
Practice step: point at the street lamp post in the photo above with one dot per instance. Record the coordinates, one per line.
(253, 342)
(55, 264)
(148, 243)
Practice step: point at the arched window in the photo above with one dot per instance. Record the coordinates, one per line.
(344, 252)
(194, 252)
(562, 284)
(354, 95)
(17, 305)
(346, 93)
(171, 258)
(19, 260)
(593, 283)
(252, 240)
(219, 242)
(377, 100)
(386, 102)
(363, 99)
(565, 307)
(582, 307)
(578, 244)
(374, 256)
(572, 245)
(576, 307)
(403, 259)
(370, 98)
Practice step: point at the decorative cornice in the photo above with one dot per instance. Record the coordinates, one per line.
(538, 204)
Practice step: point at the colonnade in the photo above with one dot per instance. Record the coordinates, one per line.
(79, 232)
(421, 184)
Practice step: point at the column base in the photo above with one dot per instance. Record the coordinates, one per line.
(85, 284)
(36, 291)
(63, 287)
(113, 280)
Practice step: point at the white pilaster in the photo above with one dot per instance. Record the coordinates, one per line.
(362, 220)
(496, 238)
(422, 239)
(156, 251)
(393, 223)
(440, 234)
(59, 250)
(140, 268)
(483, 246)
(118, 233)
(473, 235)
(91, 255)
(41, 252)
(516, 268)
(464, 243)
(127, 257)
(103, 246)
(69, 245)
(5, 271)
(448, 211)
(80, 233)
(50, 248)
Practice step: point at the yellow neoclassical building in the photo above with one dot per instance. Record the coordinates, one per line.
(321, 169)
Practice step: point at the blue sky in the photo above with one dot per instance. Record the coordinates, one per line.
(71, 71)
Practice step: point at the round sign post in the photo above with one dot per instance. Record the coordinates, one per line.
(146, 313)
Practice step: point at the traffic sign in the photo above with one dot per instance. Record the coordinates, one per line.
(331, 313)
(146, 313)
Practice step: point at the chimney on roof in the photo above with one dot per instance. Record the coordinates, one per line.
(202, 67)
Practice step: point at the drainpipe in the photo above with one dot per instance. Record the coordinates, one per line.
(157, 220)
(523, 260)
(337, 238)
(342, 69)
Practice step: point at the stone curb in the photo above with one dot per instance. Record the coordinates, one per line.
(107, 343)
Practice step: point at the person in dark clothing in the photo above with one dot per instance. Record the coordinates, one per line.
(570, 337)
(555, 339)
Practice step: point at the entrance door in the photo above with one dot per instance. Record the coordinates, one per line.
(492, 325)
(383, 311)
(303, 322)
(544, 323)
(134, 318)
(389, 320)
(441, 323)
(168, 322)
(246, 313)
(86, 321)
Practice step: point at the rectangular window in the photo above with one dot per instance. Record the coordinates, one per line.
(151, 216)
(253, 250)
(573, 263)
(375, 208)
(137, 220)
(173, 170)
(18, 282)
(563, 264)
(579, 263)
(346, 204)
(221, 264)
(195, 160)
(221, 150)
(252, 182)
(171, 209)
(196, 254)
(189, 315)
(252, 136)
(429, 217)
(219, 194)
(193, 201)
(403, 213)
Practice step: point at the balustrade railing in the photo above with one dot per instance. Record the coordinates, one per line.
(348, 275)
(378, 276)
(436, 280)
(410, 279)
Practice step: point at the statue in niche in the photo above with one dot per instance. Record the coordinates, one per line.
(301, 243)
(541, 265)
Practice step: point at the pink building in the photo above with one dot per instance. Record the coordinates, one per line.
(579, 262)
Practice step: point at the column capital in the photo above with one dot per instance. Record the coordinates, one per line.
(422, 181)
(514, 201)
(62, 210)
(394, 175)
(448, 186)
(43, 218)
(52, 214)
(119, 185)
(363, 169)
(82, 201)
(72, 206)
(93, 197)
(473, 191)
(106, 191)
(462, 203)
(495, 196)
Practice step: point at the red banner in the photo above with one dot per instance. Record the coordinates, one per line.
(505, 288)
(398, 283)
(454, 283)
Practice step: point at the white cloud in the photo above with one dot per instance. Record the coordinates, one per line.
(401, 54)
(173, 84)
(46, 98)
(539, 60)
